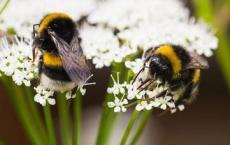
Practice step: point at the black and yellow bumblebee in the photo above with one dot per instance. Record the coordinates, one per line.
(175, 66)
(62, 64)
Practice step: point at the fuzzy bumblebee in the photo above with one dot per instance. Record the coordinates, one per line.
(174, 67)
(62, 65)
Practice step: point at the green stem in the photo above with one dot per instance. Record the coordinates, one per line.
(17, 98)
(140, 128)
(77, 120)
(34, 111)
(1, 143)
(49, 125)
(129, 127)
(64, 117)
(108, 117)
(3, 7)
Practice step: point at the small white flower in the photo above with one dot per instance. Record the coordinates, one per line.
(181, 107)
(132, 93)
(163, 102)
(143, 105)
(43, 96)
(135, 65)
(118, 105)
(118, 88)
(69, 95)
(83, 91)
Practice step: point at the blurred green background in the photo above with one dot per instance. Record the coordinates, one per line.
(205, 122)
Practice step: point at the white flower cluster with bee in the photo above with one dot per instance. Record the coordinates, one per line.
(141, 24)
(30, 12)
(126, 95)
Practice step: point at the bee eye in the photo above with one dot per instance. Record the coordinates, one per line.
(160, 65)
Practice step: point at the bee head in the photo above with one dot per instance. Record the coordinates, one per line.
(160, 66)
(64, 28)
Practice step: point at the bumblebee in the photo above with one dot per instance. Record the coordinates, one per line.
(174, 66)
(62, 64)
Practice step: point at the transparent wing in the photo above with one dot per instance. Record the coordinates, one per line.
(197, 61)
(74, 61)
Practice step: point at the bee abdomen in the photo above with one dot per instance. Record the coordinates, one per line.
(55, 73)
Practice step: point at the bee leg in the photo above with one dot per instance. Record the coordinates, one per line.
(148, 82)
(74, 91)
(137, 75)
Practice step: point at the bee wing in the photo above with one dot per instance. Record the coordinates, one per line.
(74, 61)
(75, 45)
(197, 61)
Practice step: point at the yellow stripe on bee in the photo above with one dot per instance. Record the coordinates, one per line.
(49, 18)
(168, 52)
(51, 59)
(196, 76)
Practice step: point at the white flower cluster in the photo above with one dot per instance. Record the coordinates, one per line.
(102, 46)
(126, 95)
(30, 12)
(144, 24)
(122, 14)
(44, 95)
(16, 61)
(193, 36)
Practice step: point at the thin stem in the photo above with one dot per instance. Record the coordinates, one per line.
(129, 127)
(34, 111)
(49, 125)
(1, 143)
(77, 120)
(18, 100)
(2, 8)
(64, 117)
(140, 128)
(108, 117)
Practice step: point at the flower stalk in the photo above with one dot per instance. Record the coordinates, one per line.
(64, 119)
(18, 100)
(131, 123)
(49, 125)
(144, 118)
(77, 119)
(34, 111)
(108, 117)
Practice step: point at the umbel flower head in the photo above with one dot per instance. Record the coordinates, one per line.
(16, 62)
(137, 24)
(30, 12)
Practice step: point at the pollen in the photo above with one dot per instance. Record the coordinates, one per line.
(196, 76)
